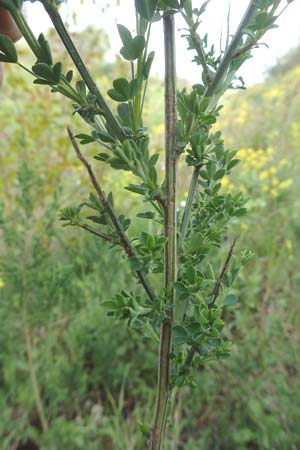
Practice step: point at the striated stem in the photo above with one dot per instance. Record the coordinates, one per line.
(170, 268)
(124, 241)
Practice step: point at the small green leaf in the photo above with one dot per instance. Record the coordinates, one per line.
(102, 157)
(153, 160)
(124, 113)
(232, 164)
(146, 8)
(137, 189)
(57, 68)
(115, 95)
(69, 76)
(133, 87)
(45, 51)
(134, 49)
(81, 88)
(147, 65)
(121, 85)
(125, 35)
(84, 138)
(44, 71)
(230, 300)
(146, 215)
(180, 335)
(105, 137)
(219, 174)
(135, 264)
(8, 51)
(95, 219)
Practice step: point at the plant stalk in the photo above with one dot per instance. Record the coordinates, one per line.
(170, 266)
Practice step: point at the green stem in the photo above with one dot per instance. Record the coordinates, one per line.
(26, 32)
(29, 350)
(198, 45)
(82, 69)
(188, 208)
(170, 267)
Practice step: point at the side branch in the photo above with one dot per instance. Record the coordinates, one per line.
(191, 353)
(124, 241)
(230, 52)
(104, 236)
(82, 69)
(222, 273)
(209, 92)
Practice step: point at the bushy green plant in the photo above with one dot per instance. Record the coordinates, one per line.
(193, 294)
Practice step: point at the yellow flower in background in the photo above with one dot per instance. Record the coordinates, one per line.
(274, 192)
(242, 153)
(289, 245)
(227, 185)
(244, 226)
(274, 181)
(258, 169)
(264, 175)
(285, 184)
(273, 93)
(2, 284)
(283, 162)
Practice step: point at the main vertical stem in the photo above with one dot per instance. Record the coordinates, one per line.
(170, 268)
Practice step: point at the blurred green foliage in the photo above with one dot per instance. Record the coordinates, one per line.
(92, 372)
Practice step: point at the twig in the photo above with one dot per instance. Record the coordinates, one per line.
(188, 208)
(106, 237)
(201, 54)
(227, 58)
(217, 288)
(124, 241)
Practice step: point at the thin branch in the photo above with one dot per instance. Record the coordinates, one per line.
(82, 69)
(188, 208)
(106, 237)
(200, 52)
(217, 288)
(124, 241)
(227, 58)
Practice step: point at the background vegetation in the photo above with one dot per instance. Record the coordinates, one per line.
(70, 378)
